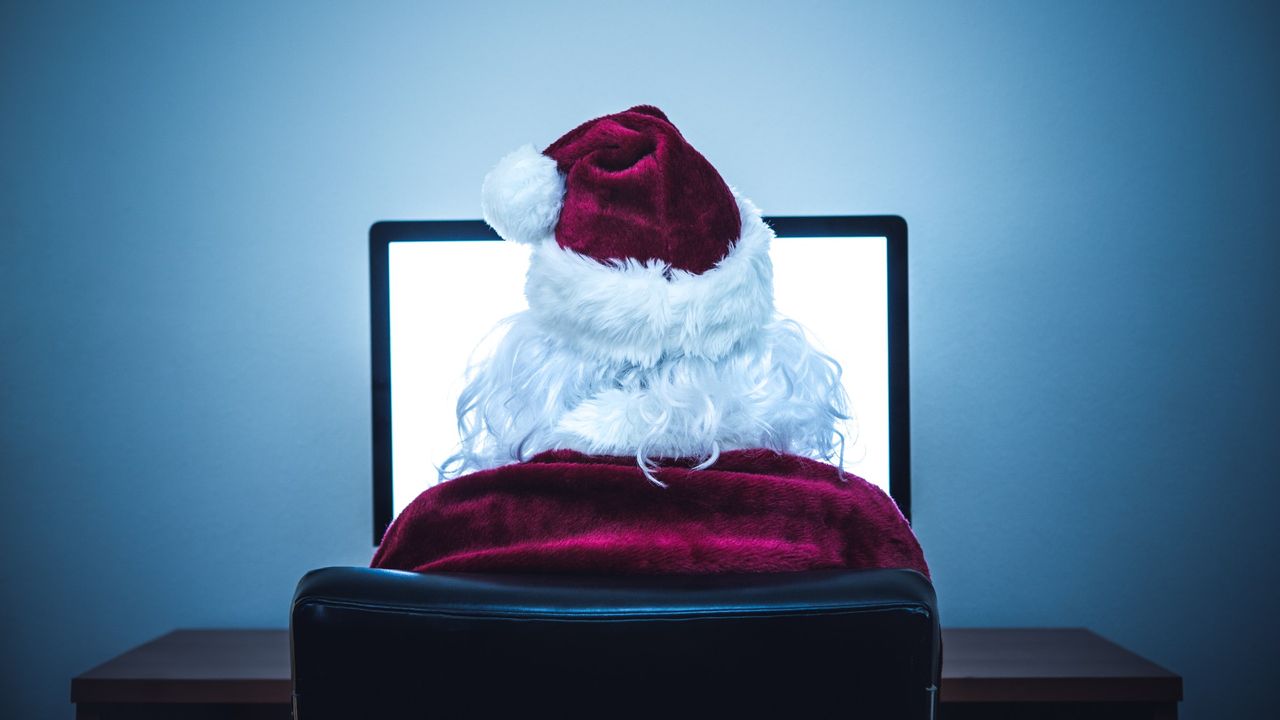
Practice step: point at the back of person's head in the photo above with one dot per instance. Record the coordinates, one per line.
(651, 329)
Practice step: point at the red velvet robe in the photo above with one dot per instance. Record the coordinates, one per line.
(565, 512)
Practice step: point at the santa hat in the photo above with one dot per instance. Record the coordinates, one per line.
(640, 249)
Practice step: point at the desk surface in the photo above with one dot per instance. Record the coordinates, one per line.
(979, 665)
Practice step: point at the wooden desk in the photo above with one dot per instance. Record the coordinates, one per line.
(1050, 673)
(986, 673)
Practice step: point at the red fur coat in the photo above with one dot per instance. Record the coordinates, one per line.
(562, 511)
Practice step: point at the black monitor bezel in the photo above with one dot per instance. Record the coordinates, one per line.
(891, 227)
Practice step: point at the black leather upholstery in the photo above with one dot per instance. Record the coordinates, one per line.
(379, 643)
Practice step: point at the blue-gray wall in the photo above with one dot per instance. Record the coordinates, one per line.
(1092, 191)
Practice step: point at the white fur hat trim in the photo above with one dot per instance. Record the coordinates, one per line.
(635, 312)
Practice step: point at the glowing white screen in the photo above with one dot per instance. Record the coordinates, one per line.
(446, 296)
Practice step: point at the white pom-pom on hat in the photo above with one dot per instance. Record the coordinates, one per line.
(522, 195)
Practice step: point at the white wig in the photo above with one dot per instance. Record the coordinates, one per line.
(631, 358)
(536, 393)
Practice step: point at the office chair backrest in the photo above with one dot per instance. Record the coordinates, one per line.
(379, 643)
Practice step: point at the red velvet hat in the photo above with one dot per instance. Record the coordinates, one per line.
(640, 248)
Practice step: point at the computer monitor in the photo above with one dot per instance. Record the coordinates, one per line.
(439, 287)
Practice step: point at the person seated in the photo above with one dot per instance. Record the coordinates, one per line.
(650, 413)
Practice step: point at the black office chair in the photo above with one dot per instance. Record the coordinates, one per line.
(382, 644)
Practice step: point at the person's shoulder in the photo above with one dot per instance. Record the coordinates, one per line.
(799, 470)
(546, 469)
(763, 461)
